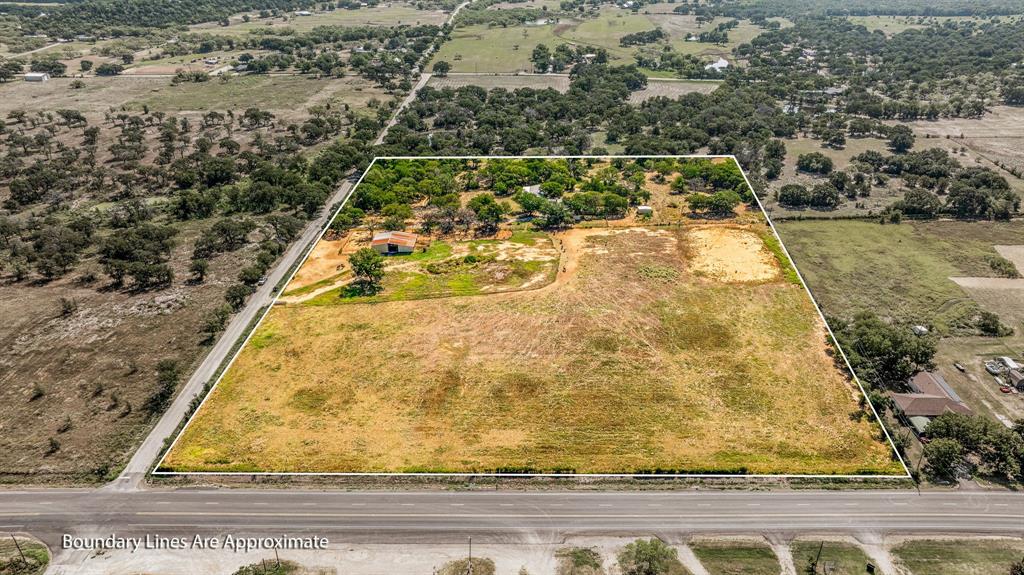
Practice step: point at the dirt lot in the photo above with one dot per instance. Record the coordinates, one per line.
(422, 385)
(673, 89)
(506, 81)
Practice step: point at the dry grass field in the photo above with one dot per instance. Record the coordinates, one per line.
(680, 348)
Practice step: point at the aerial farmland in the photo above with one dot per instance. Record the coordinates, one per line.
(513, 316)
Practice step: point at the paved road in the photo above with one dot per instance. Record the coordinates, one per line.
(505, 516)
(145, 457)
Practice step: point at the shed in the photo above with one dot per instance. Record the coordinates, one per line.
(1009, 363)
(37, 77)
(644, 210)
(532, 190)
(391, 243)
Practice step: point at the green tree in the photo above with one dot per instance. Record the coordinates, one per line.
(368, 267)
(441, 68)
(944, 457)
(647, 557)
(85, 65)
(901, 139)
(541, 58)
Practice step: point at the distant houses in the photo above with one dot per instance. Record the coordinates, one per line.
(393, 243)
(37, 77)
(930, 397)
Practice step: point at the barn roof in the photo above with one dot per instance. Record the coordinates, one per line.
(917, 404)
(394, 238)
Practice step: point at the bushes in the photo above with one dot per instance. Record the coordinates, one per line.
(814, 163)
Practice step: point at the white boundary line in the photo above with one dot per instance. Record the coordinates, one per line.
(156, 468)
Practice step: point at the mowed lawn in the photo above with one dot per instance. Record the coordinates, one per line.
(638, 358)
(898, 271)
(960, 557)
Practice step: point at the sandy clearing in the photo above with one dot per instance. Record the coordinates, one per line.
(989, 283)
(731, 254)
(326, 260)
(1013, 253)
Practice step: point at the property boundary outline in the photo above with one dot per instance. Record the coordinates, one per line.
(155, 470)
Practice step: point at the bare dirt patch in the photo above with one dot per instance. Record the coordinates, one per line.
(506, 81)
(326, 260)
(672, 89)
(731, 254)
(1013, 253)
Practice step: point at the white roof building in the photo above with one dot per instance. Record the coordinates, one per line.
(37, 77)
(718, 66)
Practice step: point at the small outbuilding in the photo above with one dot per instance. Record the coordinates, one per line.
(532, 190)
(37, 77)
(1016, 378)
(393, 243)
(644, 211)
(1009, 362)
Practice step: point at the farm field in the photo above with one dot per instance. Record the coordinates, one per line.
(958, 557)
(391, 14)
(287, 96)
(484, 49)
(614, 347)
(898, 271)
(655, 87)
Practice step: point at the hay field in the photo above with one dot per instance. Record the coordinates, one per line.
(651, 350)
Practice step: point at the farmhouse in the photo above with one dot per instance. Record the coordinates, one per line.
(37, 77)
(930, 397)
(390, 243)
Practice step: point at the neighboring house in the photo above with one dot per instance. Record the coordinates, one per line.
(718, 66)
(534, 190)
(390, 243)
(930, 397)
(37, 77)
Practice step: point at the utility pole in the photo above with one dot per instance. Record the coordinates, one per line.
(20, 552)
(818, 556)
(470, 555)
